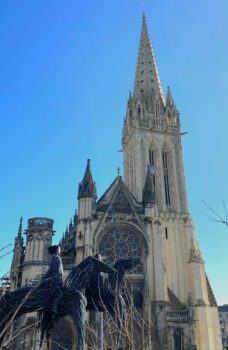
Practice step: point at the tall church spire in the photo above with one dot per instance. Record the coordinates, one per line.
(147, 81)
(151, 134)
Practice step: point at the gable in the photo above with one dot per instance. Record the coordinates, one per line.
(118, 199)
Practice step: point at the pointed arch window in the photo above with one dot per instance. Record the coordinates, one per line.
(166, 176)
(122, 242)
(152, 165)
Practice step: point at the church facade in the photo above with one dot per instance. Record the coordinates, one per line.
(144, 214)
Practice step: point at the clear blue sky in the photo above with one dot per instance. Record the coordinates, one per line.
(66, 68)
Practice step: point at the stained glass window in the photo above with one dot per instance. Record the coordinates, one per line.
(120, 243)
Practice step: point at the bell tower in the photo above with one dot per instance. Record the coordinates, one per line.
(154, 174)
(152, 135)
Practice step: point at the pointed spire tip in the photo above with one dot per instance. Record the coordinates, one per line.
(147, 79)
(20, 227)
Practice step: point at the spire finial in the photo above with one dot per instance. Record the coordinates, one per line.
(88, 164)
(169, 98)
(195, 255)
(70, 225)
(143, 7)
(118, 171)
(19, 234)
(144, 14)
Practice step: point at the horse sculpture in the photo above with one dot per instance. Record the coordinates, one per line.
(79, 295)
(114, 292)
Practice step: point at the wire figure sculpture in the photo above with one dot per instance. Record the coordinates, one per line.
(84, 289)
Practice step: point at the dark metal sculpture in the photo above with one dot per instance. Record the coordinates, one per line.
(83, 289)
(109, 294)
(112, 295)
(74, 301)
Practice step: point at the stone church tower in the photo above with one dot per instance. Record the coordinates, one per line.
(144, 214)
(154, 173)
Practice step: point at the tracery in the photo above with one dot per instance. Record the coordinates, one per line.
(121, 243)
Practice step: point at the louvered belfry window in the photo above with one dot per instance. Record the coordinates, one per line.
(152, 165)
(166, 177)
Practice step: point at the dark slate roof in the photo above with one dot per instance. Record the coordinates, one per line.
(119, 199)
(223, 308)
(87, 188)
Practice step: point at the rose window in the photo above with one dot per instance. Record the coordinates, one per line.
(120, 243)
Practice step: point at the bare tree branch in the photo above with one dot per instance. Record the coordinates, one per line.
(217, 217)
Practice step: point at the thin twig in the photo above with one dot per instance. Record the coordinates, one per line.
(217, 218)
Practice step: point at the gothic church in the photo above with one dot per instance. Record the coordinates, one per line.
(143, 214)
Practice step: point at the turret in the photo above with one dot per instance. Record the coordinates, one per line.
(86, 195)
(38, 238)
(197, 273)
(172, 115)
(18, 256)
